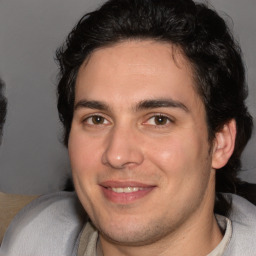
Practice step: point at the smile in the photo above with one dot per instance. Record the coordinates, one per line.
(126, 190)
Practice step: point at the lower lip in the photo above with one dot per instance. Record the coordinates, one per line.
(125, 198)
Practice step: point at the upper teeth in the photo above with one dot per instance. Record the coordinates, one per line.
(125, 190)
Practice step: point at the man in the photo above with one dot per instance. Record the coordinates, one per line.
(151, 96)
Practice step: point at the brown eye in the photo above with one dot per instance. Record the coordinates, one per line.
(161, 120)
(158, 120)
(96, 120)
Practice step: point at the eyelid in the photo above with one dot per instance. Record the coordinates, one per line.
(91, 115)
(153, 115)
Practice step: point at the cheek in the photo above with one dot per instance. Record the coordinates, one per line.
(171, 154)
(179, 157)
(83, 154)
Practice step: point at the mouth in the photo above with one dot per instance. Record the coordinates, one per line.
(125, 192)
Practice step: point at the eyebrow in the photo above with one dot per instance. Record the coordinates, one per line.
(161, 103)
(92, 104)
(145, 104)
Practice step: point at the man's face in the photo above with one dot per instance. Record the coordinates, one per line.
(138, 145)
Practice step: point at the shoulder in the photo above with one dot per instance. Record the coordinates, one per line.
(49, 225)
(10, 205)
(243, 219)
(242, 208)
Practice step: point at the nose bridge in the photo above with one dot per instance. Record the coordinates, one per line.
(122, 148)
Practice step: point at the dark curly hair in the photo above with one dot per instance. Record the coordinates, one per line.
(204, 39)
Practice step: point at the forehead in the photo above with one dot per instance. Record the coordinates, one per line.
(136, 69)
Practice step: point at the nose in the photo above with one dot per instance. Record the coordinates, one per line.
(123, 149)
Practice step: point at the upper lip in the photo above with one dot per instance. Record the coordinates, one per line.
(124, 184)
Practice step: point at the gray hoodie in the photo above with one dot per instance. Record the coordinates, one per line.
(52, 225)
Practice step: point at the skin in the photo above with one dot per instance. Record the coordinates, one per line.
(139, 122)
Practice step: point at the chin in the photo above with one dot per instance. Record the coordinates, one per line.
(132, 233)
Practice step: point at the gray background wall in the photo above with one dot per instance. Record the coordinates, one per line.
(32, 159)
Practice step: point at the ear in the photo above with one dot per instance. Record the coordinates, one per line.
(224, 144)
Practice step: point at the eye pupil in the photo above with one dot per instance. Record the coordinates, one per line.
(160, 120)
(97, 120)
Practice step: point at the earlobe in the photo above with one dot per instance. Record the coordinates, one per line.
(224, 144)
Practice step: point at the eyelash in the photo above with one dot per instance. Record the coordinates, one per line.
(166, 119)
(160, 116)
(86, 120)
